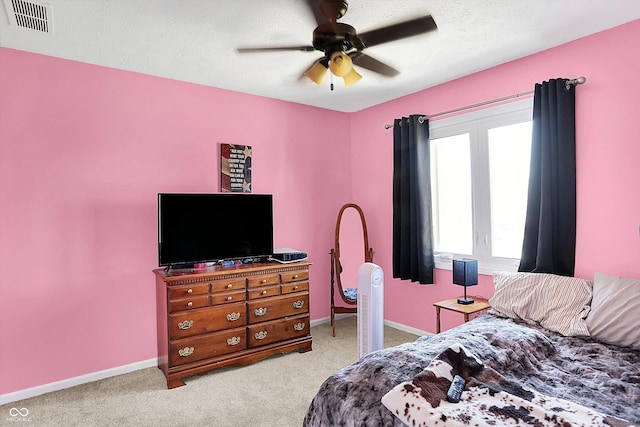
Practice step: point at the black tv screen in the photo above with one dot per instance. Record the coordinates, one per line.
(198, 228)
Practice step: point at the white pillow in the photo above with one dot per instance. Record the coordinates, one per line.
(615, 310)
(557, 303)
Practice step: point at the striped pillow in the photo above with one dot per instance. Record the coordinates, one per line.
(557, 303)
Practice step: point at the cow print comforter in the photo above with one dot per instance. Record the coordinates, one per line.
(487, 399)
(578, 369)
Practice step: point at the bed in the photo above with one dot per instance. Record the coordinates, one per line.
(568, 344)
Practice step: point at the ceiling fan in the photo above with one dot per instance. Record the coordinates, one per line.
(342, 45)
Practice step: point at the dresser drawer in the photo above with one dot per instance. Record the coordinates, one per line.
(288, 288)
(267, 291)
(228, 285)
(206, 346)
(182, 292)
(206, 320)
(228, 297)
(257, 281)
(278, 330)
(190, 303)
(295, 276)
(277, 307)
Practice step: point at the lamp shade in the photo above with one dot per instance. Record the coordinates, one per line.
(340, 64)
(465, 272)
(351, 78)
(317, 72)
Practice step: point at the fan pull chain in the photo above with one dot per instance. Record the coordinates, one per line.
(331, 77)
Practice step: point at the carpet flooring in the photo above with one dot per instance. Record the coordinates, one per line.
(273, 392)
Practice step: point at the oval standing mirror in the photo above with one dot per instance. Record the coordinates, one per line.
(350, 251)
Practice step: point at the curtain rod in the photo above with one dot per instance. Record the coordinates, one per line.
(577, 81)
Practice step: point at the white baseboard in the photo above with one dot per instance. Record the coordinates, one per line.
(395, 325)
(328, 319)
(320, 321)
(72, 382)
(406, 328)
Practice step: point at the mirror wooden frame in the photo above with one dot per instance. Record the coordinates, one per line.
(336, 279)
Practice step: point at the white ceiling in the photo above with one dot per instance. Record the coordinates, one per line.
(195, 40)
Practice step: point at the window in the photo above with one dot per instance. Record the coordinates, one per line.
(479, 183)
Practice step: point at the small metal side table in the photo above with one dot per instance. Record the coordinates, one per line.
(466, 309)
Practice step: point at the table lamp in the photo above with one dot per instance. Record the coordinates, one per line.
(465, 273)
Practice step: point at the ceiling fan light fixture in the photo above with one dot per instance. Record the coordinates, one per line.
(317, 72)
(334, 39)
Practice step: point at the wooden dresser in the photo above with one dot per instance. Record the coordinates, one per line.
(228, 316)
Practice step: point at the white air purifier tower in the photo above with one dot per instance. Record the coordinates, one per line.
(370, 308)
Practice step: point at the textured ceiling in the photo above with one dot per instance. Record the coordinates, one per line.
(195, 40)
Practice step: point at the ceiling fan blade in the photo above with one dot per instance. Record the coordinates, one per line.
(275, 49)
(398, 31)
(314, 6)
(366, 61)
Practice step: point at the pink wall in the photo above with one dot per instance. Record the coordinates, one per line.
(607, 160)
(85, 149)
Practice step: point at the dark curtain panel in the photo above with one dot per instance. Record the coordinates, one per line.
(412, 223)
(550, 229)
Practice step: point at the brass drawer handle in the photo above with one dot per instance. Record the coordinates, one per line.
(264, 292)
(263, 281)
(184, 352)
(232, 317)
(230, 285)
(260, 311)
(261, 335)
(185, 325)
(295, 288)
(233, 341)
(190, 304)
(298, 326)
(189, 291)
(298, 304)
(229, 298)
(295, 277)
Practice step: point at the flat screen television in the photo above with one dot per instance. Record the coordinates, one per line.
(199, 228)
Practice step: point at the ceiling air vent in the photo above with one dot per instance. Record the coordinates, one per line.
(30, 15)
